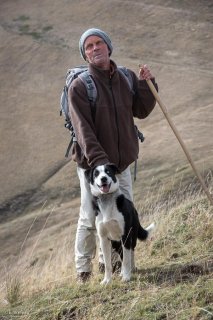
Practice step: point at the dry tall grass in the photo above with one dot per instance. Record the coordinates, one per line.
(177, 263)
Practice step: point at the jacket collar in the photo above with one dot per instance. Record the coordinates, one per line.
(103, 73)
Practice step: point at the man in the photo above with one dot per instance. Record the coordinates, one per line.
(109, 136)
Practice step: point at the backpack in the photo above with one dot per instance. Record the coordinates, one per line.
(83, 73)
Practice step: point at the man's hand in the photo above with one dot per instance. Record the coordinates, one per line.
(144, 72)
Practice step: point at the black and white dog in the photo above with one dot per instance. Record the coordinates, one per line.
(117, 221)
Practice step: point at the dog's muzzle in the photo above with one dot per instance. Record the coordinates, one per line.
(104, 186)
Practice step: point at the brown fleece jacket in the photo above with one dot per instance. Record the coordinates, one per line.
(110, 137)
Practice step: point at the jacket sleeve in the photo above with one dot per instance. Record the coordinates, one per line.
(143, 101)
(83, 124)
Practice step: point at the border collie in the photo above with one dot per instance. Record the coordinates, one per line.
(117, 221)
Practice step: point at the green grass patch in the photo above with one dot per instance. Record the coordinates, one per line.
(133, 300)
(47, 28)
(22, 18)
(36, 33)
(24, 28)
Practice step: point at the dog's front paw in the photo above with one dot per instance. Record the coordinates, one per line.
(126, 277)
(105, 281)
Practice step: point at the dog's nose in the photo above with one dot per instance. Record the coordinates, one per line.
(104, 179)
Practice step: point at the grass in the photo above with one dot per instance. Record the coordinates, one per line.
(27, 26)
(174, 279)
(13, 289)
(22, 18)
(37, 33)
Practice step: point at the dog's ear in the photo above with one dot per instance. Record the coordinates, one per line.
(114, 168)
(89, 175)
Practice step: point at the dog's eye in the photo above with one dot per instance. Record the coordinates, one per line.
(96, 173)
(108, 172)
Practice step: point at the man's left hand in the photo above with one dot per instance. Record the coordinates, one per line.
(144, 72)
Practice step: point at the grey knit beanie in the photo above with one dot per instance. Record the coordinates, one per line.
(94, 32)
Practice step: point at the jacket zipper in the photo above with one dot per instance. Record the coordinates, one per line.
(116, 118)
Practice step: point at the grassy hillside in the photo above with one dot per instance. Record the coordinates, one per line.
(173, 281)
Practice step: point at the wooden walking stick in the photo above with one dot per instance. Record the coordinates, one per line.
(163, 108)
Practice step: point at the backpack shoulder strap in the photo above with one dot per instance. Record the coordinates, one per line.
(128, 77)
(89, 83)
(90, 86)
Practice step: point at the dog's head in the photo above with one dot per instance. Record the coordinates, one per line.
(102, 179)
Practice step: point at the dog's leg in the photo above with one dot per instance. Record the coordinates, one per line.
(133, 268)
(126, 264)
(106, 249)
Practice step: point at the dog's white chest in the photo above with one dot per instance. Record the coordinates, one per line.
(110, 223)
(111, 229)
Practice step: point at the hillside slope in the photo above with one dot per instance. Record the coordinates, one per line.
(39, 198)
(173, 278)
(39, 41)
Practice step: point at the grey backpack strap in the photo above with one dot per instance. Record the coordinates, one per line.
(91, 90)
(90, 86)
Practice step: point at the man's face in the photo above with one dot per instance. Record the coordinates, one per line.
(97, 52)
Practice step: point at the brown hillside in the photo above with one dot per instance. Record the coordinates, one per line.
(39, 41)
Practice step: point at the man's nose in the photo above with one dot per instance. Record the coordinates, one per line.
(95, 46)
